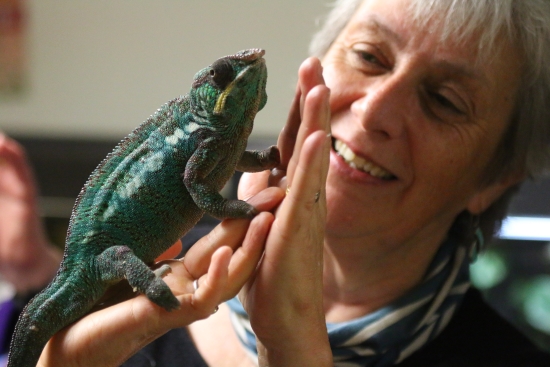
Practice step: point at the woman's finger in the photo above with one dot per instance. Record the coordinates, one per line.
(246, 258)
(311, 77)
(287, 137)
(208, 292)
(305, 192)
(251, 184)
(230, 232)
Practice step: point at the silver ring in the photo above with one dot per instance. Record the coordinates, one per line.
(196, 284)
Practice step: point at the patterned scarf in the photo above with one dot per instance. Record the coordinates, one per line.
(392, 333)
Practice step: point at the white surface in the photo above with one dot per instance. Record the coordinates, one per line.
(99, 68)
(526, 228)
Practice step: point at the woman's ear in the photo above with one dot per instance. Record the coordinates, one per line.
(487, 195)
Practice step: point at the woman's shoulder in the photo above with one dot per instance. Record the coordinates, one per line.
(478, 336)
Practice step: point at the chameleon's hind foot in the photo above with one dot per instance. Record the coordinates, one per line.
(119, 262)
(159, 293)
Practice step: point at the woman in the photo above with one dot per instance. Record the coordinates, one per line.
(400, 154)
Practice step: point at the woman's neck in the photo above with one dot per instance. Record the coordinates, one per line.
(363, 275)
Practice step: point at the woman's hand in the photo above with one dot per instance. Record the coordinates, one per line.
(222, 262)
(27, 260)
(284, 299)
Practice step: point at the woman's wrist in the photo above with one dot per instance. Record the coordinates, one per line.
(107, 337)
(303, 342)
(303, 352)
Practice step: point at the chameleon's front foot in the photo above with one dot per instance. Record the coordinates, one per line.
(259, 160)
(247, 210)
(272, 157)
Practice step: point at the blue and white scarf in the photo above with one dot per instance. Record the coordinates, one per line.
(391, 334)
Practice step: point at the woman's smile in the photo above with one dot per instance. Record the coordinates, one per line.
(359, 163)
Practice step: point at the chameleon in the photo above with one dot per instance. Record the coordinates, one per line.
(148, 192)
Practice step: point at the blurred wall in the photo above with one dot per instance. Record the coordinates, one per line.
(96, 69)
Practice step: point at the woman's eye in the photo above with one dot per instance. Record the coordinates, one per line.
(370, 58)
(445, 102)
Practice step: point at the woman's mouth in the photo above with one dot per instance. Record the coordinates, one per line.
(359, 163)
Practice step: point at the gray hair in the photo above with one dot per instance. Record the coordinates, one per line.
(525, 148)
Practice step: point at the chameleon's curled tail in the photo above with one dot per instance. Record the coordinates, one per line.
(60, 304)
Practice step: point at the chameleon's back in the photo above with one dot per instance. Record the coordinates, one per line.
(148, 192)
(136, 196)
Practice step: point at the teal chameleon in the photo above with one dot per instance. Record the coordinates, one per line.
(152, 189)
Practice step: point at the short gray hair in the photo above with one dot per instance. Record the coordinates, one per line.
(525, 147)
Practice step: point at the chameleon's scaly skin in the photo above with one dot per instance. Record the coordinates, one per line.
(154, 186)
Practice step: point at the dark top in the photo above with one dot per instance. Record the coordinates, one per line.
(476, 336)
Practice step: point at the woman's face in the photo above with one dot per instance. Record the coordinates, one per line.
(417, 122)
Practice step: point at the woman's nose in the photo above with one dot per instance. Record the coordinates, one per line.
(384, 107)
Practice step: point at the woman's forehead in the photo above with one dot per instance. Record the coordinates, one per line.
(486, 23)
(401, 22)
(492, 80)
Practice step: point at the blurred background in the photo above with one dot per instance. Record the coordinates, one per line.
(77, 76)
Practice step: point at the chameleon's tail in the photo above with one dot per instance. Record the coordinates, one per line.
(44, 315)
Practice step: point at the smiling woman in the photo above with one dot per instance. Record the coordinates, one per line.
(524, 149)
(405, 140)
(444, 95)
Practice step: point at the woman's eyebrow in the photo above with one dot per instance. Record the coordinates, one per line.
(461, 70)
(373, 24)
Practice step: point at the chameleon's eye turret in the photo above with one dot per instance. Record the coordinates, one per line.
(232, 86)
(222, 73)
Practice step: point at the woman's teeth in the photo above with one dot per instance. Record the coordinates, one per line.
(359, 163)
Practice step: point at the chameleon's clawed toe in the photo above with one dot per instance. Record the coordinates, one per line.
(162, 271)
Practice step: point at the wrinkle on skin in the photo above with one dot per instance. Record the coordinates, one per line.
(430, 114)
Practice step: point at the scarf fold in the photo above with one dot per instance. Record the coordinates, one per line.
(391, 334)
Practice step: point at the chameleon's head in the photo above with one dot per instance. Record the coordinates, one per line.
(232, 87)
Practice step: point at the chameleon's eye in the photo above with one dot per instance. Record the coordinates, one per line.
(222, 73)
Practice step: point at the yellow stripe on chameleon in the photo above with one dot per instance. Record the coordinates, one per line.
(220, 103)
